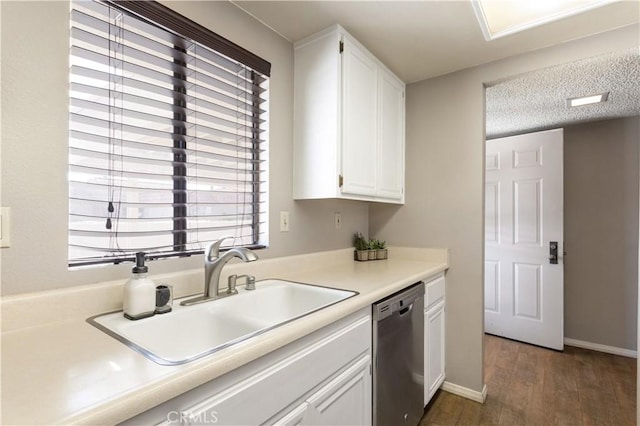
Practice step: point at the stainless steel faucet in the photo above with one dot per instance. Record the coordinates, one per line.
(213, 264)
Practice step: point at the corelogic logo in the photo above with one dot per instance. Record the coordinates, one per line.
(182, 417)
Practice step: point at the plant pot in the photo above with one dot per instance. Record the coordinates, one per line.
(381, 254)
(373, 254)
(361, 255)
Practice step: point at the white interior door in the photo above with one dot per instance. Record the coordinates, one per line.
(524, 290)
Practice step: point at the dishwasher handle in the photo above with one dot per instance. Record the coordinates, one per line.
(406, 310)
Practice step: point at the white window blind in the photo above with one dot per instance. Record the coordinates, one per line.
(167, 143)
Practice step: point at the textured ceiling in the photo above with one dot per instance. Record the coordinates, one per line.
(426, 38)
(538, 100)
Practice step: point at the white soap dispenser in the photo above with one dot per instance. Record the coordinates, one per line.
(139, 292)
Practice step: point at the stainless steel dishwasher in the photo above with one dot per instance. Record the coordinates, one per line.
(398, 356)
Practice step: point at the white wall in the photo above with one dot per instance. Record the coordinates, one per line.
(445, 175)
(35, 40)
(445, 162)
(601, 231)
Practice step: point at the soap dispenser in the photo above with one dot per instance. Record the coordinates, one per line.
(139, 292)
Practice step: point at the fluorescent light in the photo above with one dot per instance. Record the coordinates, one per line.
(499, 18)
(587, 100)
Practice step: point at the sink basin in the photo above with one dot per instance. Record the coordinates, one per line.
(191, 332)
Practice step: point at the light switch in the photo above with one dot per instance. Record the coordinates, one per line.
(5, 222)
(284, 221)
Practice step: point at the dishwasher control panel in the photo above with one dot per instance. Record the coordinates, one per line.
(401, 301)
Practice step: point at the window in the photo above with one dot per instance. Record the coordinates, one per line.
(167, 135)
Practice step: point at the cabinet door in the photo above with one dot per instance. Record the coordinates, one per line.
(359, 114)
(345, 400)
(316, 122)
(390, 169)
(434, 350)
(293, 417)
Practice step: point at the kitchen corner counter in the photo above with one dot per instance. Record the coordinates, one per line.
(68, 372)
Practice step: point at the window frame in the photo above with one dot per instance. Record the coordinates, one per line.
(158, 15)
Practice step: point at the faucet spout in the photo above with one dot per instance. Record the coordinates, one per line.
(213, 264)
(213, 268)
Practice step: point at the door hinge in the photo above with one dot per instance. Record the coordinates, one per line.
(341, 46)
(340, 181)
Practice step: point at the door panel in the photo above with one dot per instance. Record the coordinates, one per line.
(527, 205)
(360, 79)
(524, 292)
(493, 161)
(390, 168)
(492, 223)
(491, 285)
(294, 417)
(434, 368)
(346, 400)
(527, 158)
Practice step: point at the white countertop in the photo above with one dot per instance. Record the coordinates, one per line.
(69, 372)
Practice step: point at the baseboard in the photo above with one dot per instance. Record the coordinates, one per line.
(601, 348)
(465, 392)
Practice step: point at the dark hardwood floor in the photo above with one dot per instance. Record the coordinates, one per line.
(529, 385)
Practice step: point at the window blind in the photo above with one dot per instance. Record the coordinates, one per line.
(167, 138)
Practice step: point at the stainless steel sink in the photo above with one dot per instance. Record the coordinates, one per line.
(191, 332)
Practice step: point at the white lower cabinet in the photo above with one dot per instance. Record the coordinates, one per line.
(320, 379)
(434, 337)
(345, 400)
(293, 418)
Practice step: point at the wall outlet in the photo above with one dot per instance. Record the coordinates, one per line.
(284, 221)
(338, 220)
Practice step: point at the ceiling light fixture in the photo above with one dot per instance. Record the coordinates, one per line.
(587, 100)
(501, 18)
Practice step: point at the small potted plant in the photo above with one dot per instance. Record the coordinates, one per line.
(361, 246)
(381, 250)
(371, 245)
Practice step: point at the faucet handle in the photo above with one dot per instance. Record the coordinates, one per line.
(213, 250)
(250, 283)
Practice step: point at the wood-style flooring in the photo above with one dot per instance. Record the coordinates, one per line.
(529, 385)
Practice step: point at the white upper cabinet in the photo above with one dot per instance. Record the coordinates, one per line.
(390, 170)
(359, 121)
(348, 122)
